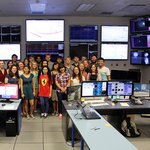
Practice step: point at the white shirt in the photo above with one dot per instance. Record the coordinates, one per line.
(103, 73)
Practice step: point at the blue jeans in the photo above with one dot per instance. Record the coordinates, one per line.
(44, 102)
(61, 96)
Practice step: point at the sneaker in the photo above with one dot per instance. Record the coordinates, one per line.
(42, 114)
(53, 114)
(28, 117)
(32, 116)
(57, 115)
(60, 116)
(45, 115)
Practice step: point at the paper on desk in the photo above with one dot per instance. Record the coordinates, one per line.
(7, 107)
(124, 104)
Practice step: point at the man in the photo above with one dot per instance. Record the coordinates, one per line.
(69, 67)
(93, 59)
(76, 61)
(14, 58)
(48, 59)
(103, 72)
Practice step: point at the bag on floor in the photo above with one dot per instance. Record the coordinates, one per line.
(129, 129)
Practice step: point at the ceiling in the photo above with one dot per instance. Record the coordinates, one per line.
(69, 7)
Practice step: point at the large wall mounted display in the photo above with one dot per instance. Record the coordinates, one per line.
(56, 49)
(139, 25)
(114, 33)
(140, 41)
(112, 51)
(10, 34)
(136, 57)
(88, 33)
(7, 50)
(44, 30)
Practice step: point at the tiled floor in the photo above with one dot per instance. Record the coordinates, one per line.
(46, 134)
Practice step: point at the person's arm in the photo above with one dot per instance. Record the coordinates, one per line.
(108, 77)
(88, 76)
(6, 80)
(50, 95)
(33, 85)
(21, 88)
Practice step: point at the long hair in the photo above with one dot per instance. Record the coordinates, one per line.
(79, 75)
(12, 74)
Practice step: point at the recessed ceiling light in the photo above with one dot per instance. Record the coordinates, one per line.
(85, 7)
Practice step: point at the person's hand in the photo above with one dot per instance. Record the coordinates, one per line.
(22, 95)
(34, 93)
(50, 96)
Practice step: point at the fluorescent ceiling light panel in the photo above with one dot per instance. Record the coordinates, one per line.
(85, 7)
(37, 7)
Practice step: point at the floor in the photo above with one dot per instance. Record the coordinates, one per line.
(46, 134)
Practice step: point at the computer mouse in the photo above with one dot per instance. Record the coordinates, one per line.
(3, 104)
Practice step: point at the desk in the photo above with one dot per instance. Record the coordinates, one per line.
(117, 109)
(105, 138)
(13, 110)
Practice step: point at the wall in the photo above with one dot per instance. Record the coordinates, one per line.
(119, 65)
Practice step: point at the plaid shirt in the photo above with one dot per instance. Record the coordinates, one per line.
(62, 79)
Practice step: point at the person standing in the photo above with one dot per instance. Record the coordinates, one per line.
(62, 81)
(103, 72)
(92, 75)
(28, 90)
(45, 90)
(3, 72)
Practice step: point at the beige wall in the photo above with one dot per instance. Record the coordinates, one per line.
(119, 65)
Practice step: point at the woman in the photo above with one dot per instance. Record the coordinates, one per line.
(26, 62)
(3, 72)
(92, 75)
(45, 90)
(28, 90)
(62, 81)
(81, 67)
(12, 77)
(35, 72)
(20, 68)
(54, 72)
(77, 77)
(9, 64)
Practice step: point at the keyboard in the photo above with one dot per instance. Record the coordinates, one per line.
(93, 101)
(99, 104)
(121, 100)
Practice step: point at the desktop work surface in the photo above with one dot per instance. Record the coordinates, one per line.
(99, 134)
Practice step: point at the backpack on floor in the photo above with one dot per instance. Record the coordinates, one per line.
(129, 129)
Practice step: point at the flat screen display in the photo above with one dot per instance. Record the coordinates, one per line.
(93, 88)
(114, 51)
(114, 33)
(44, 30)
(9, 91)
(120, 88)
(140, 41)
(84, 33)
(7, 50)
(141, 89)
(140, 25)
(136, 57)
(146, 58)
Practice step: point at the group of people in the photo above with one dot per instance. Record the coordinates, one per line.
(48, 81)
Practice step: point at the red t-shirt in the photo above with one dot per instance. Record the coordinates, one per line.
(44, 83)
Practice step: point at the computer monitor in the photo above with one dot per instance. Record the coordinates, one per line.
(93, 88)
(8, 91)
(141, 90)
(73, 93)
(120, 88)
